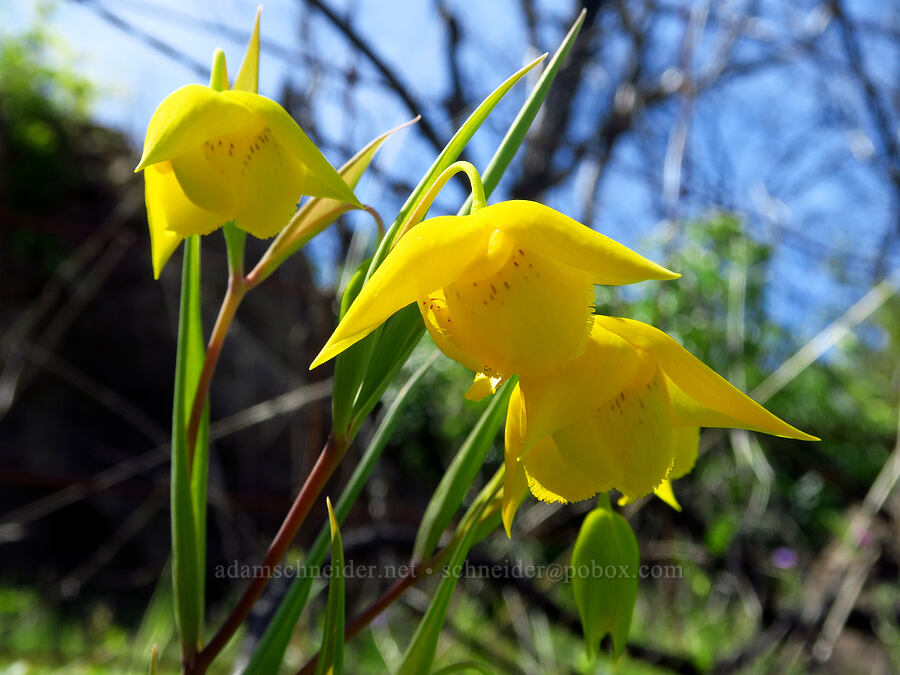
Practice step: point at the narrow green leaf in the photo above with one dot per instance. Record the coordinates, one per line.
(509, 146)
(331, 653)
(345, 383)
(464, 666)
(157, 626)
(420, 653)
(186, 581)
(398, 338)
(448, 155)
(605, 560)
(459, 476)
(270, 651)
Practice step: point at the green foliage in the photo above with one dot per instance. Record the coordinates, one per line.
(449, 494)
(331, 652)
(43, 106)
(187, 546)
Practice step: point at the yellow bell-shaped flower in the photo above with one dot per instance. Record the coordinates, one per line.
(625, 414)
(213, 156)
(505, 290)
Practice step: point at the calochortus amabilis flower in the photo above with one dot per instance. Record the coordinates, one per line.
(214, 156)
(506, 290)
(626, 414)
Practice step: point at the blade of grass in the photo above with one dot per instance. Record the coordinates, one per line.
(332, 650)
(420, 653)
(186, 581)
(460, 474)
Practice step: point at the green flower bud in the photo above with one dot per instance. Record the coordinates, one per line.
(605, 565)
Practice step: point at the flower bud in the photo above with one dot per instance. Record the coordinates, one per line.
(605, 563)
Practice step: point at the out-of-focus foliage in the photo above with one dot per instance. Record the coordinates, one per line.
(43, 107)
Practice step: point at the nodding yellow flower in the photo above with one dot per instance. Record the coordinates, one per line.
(213, 156)
(625, 414)
(505, 290)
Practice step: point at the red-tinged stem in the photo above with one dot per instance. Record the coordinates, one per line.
(328, 461)
(416, 572)
(233, 296)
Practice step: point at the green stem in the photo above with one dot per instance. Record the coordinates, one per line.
(328, 461)
(418, 213)
(237, 288)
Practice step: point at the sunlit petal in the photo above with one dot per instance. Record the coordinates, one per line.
(482, 386)
(529, 317)
(515, 483)
(606, 367)
(552, 478)
(166, 204)
(665, 492)
(628, 439)
(556, 236)
(440, 326)
(428, 257)
(686, 444)
(323, 180)
(702, 397)
(186, 118)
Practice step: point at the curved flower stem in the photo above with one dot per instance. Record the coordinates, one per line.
(418, 214)
(327, 462)
(417, 571)
(379, 223)
(232, 300)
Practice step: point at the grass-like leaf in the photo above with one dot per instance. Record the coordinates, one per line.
(331, 653)
(460, 474)
(186, 571)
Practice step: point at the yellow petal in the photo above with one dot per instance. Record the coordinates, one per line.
(322, 180)
(166, 206)
(552, 478)
(627, 441)
(701, 397)
(248, 76)
(482, 386)
(272, 187)
(427, 258)
(440, 326)
(567, 241)
(665, 492)
(686, 441)
(187, 117)
(529, 317)
(607, 366)
(515, 483)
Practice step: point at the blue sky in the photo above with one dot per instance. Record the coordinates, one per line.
(841, 211)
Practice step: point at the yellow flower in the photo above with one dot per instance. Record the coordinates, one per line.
(625, 414)
(212, 156)
(505, 290)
